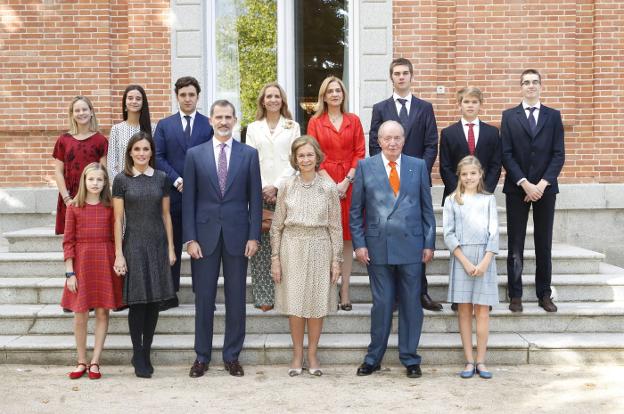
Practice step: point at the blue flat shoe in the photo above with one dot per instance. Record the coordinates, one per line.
(482, 373)
(468, 373)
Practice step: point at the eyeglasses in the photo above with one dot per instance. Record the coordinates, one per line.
(528, 82)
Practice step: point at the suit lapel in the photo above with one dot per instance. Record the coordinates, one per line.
(524, 121)
(379, 171)
(235, 163)
(179, 128)
(541, 121)
(461, 138)
(406, 181)
(212, 166)
(391, 109)
(411, 116)
(197, 126)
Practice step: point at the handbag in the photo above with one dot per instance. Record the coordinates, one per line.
(267, 220)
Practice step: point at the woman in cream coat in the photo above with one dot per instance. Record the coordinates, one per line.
(272, 135)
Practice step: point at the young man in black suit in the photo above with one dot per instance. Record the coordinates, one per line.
(469, 136)
(533, 156)
(421, 133)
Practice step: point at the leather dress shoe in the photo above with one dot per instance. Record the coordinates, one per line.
(413, 371)
(547, 304)
(198, 369)
(430, 304)
(454, 307)
(515, 305)
(367, 369)
(234, 368)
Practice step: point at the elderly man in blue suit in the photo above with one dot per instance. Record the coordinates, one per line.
(173, 137)
(393, 230)
(222, 217)
(421, 133)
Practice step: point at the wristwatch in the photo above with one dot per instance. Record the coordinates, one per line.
(69, 274)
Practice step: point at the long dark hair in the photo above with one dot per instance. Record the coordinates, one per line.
(139, 136)
(145, 122)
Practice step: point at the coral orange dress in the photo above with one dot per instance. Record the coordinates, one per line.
(343, 149)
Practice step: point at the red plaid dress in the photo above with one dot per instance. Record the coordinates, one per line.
(89, 241)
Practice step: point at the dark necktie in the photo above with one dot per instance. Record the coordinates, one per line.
(187, 129)
(471, 138)
(403, 113)
(222, 169)
(532, 122)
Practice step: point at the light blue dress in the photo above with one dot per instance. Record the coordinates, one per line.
(472, 226)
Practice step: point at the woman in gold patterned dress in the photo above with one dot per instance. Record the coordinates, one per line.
(306, 243)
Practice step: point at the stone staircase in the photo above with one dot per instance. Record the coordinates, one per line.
(588, 327)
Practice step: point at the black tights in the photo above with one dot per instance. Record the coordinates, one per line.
(142, 319)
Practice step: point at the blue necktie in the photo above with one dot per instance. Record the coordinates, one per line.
(187, 130)
(403, 113)
(532, 122)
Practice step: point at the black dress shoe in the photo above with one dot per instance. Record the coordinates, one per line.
(198, 369)
(140, 366)
(234, 368)
(430, 304)
(547, 304)
(367, 369)
(413, 371)
(515, 305)
(454, 307)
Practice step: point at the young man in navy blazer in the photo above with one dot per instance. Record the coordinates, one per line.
(174, 136)
(533, 156)
(469, 136)
(421, 132)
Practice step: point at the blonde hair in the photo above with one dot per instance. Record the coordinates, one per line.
(261, 110)
(467, 161)
(300, 142)
(73, 126)
(469, 91)
(321, 105)
(105, 194)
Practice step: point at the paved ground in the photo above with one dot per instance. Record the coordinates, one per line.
(514, 389)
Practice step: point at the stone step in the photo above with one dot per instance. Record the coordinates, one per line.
(272, 349)
(571, 317)
(565, 260)
(43, 239)
(602, 287)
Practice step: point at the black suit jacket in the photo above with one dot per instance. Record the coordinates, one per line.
(532, 156)
(421, 135)
(454, 147)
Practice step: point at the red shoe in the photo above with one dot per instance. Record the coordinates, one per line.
(78, 374)
(95, 375)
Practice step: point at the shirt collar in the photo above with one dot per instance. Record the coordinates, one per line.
(476, 121)
(149, 172)
(216, 143)
(386, 161)
(182, 115)
(407, 97)
(526, 106)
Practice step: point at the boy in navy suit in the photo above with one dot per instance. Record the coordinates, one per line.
(469, 136)
(533, 156)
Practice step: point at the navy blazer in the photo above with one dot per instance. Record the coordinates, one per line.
(421, 135)
(206, 214)
(394, 229)
(454, 147)
(532, 156)
(171, 147)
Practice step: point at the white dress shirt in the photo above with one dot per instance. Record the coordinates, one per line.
(475, 129)
(216, 144)
(408, 104)
(182, 115)
(536, 112)
(386, 161)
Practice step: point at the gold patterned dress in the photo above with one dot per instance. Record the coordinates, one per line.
(306, 235)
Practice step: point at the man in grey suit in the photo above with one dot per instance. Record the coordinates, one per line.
(393, 231)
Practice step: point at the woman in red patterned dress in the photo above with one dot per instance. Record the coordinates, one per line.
(89, 252)
(74, 150)
(341, 137)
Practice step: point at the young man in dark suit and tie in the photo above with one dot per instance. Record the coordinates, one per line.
(533, 156)
(173, 137)
(421, 133)
(469, 136)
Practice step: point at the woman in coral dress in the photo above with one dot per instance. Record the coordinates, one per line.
(341, 137)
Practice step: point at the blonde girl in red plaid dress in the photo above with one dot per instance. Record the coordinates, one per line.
(89, 252)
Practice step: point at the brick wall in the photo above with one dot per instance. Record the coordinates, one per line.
(53, 50)
(576, 45)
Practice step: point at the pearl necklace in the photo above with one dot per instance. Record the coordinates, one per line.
(307, 185)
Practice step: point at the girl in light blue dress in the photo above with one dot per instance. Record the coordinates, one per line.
(471, 235)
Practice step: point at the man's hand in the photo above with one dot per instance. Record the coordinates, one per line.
(533, 192)
(427, 255)
(194, 250)
(361, 254)
(251, 248)
(269, 194)
(180, 185)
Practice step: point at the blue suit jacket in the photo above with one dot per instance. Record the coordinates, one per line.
(171, 148)
(206, 214)
(532, 156)
(454, 147)
(421, 135)
(395, 230)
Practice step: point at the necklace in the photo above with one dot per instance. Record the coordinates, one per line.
(307, 185)
(335, 119)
